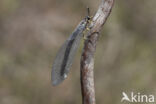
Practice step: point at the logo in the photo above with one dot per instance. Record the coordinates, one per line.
(137, 98)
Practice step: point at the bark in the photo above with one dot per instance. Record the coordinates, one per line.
(87, 58)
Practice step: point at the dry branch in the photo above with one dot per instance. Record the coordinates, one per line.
(87, 58)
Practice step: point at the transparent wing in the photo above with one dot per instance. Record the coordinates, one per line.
(65, 55)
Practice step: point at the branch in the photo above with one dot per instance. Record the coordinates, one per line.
(87, 58)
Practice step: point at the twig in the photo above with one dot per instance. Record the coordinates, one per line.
(87, 58)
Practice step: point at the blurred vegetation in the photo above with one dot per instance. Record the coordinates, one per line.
(31, 32)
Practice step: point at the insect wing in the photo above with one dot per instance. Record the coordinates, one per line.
(65, 56)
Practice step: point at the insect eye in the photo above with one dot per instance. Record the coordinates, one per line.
(88, 18)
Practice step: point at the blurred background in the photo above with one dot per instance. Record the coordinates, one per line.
(32, 31)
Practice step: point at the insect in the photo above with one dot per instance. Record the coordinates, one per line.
(65, 55)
